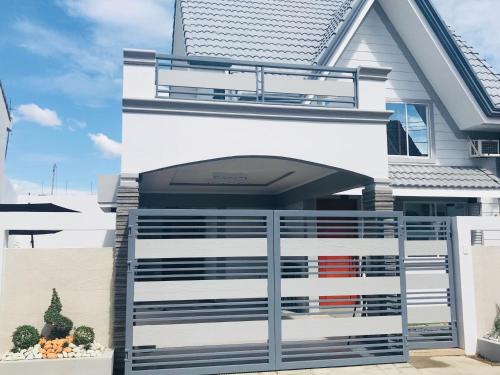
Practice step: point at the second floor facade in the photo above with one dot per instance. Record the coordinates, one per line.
(378, 87)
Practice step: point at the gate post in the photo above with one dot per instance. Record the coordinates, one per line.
(378, 196)
(127, 198)
(402, 278)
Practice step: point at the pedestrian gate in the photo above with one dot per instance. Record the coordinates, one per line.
(430, 283)
(221, 291)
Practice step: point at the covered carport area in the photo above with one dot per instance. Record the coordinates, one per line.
(257, 182)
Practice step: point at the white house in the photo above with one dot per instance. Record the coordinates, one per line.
(264, 107)
(263, 112)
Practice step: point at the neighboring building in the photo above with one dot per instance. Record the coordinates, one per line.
(7, 194)
(86, 204)
(413, 115)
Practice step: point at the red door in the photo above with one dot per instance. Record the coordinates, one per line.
(344, 266)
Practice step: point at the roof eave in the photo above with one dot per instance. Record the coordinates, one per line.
(449, 44)
(334, 43)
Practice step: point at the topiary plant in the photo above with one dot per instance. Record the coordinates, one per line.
(57, 324)
(25, 337)
(54, 309)
(62, 326)
(83, 335)
(496, 325)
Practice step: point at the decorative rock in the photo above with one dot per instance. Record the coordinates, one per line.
(70, 351)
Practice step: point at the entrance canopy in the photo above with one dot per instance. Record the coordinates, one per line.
(287, 180)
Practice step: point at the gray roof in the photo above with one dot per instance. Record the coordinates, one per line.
(486, 75)
(293, 31)
(435, 176)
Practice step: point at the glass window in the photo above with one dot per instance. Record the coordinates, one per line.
(408, 130)
(419, 209)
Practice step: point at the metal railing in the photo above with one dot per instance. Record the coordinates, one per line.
(216, 79)
(427, 228)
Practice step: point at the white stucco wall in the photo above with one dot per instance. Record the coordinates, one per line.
(83, 278)
(153, 141)
(476, 274)
(486, 262)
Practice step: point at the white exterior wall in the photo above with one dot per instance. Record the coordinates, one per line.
(158, 141)
(373, 45)
(475, 307)
(154, 136)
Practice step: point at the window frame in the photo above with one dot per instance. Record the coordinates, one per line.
(429, 111)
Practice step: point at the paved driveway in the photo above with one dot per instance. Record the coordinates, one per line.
(419, 365)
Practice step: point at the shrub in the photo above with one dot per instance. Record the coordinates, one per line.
(54, 310)
(62, 326)
(497, 325)
(83, 335)
(57, 324)
(25, 337)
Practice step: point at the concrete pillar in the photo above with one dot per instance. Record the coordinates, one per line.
(127, 198)
(490, 206)
(378, 196)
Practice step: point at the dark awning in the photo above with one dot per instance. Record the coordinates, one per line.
(33, 207)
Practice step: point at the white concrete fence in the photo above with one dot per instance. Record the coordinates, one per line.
(82, 273)
(477, 273)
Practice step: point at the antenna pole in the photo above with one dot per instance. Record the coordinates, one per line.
(54, 169)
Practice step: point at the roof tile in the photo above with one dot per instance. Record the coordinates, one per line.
(293, 31)
(484, 72)
(435, 176)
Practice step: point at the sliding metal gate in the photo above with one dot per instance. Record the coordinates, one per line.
(430, 283)
(339, 289)
(221, 291)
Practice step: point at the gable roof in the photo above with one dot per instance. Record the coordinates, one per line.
(480, 78)
(436, 176)
(293, 31)
(298, 31)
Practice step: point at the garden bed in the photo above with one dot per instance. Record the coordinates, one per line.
(100, 365)
(489, 349)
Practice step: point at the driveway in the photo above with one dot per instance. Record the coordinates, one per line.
(420, 364)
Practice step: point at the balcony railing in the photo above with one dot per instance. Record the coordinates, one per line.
(215, 79)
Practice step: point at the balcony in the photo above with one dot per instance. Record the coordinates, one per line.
(216, 79)
(183, 110)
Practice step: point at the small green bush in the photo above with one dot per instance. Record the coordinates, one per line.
(25, 337)
(497, 325)
(62, 326)
(83, 335)
(54, 310)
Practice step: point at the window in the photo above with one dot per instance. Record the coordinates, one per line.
(408, 130)
(435, 209)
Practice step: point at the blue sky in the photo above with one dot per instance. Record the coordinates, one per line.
(61, 69)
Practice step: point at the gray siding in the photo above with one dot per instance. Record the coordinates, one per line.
(373, 45)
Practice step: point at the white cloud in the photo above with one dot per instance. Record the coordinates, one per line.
(35, 114)
(88, 64)
(74, 124)
(107, 146)
(477, 22)
(126, 23)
